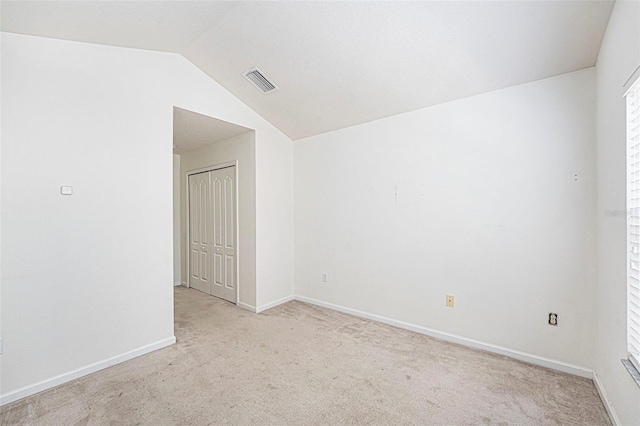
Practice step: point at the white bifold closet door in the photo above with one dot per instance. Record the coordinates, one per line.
(212, 229)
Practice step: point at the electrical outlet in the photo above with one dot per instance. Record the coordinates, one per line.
(325, 277)
(553, 319)
(449, 301)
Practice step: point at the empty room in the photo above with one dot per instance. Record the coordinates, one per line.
(320, 212)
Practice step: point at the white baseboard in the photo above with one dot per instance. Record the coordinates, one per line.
(274, 303)
(511, 353)
(177, 283)
(246, 307)
(23, 392)
(605, 401)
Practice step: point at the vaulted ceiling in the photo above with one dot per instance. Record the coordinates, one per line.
(338, 64)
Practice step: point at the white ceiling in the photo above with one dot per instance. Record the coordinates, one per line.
(339, 64)
(192, 130)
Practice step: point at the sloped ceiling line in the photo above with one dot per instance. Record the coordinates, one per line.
(340, 64)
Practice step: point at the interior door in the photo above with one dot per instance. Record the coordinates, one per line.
(199, 231)
(223, 204)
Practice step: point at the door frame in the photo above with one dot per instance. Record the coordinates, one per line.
(188, 219)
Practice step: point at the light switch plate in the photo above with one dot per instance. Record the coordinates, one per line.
(66, 190)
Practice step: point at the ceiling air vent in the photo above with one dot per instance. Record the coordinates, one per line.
(255, 76)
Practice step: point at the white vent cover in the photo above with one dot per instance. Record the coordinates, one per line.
(258, 79)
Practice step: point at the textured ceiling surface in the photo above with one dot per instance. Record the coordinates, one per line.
(339, 64)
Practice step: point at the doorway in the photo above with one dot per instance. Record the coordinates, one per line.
(204, 144)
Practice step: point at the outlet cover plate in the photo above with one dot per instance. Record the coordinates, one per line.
(449, 301)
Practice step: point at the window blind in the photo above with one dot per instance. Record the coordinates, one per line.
(633, 222)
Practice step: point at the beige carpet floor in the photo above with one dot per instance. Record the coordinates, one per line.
(298, 364)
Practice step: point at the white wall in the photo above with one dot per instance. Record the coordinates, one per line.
(239, 148)
(619, 57)
(177, 246)
(274, 186)
(489, 198)
(89, 277)
(1, 102)
(84, 277)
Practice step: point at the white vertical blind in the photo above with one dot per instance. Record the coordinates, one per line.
(633, 222)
